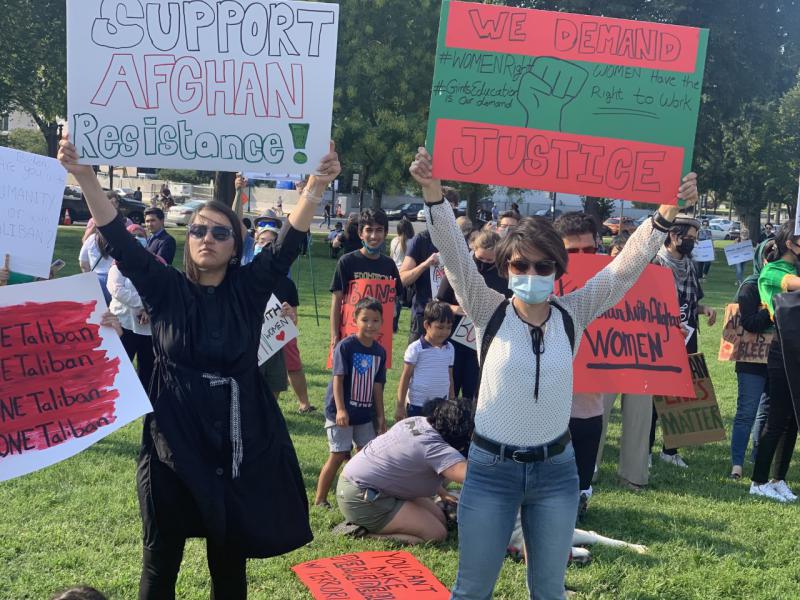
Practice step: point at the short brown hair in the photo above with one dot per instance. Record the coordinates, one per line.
(189, 266)
(532, 234)
(486, 240)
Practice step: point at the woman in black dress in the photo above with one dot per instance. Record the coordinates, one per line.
(216, 459)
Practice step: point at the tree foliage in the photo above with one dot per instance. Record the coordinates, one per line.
(28, 140)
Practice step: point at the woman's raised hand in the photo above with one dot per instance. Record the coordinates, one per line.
(68, 157)
(422, 172)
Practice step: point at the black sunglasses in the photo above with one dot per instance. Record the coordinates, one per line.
(544, 268)
(589, 250)
(269, 223)
(218, 232)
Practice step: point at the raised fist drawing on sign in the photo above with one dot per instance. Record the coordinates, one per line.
(546, 90)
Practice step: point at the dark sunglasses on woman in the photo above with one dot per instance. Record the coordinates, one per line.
(545, 268)
(218, 232)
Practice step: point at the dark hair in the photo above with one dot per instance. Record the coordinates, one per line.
(452, 418)
(102, 245)
(509, 214)
(405, 231)
(189, 266)
(784, 235)
(368, 303)
(618, 242)
(82, 592)
(451, 195)
(156, 212)
(437, 311)
(373, 216)
(247, 222)
(679, 230)
(575, 223)
(532, 233)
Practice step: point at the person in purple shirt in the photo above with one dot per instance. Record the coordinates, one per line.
(160, 242)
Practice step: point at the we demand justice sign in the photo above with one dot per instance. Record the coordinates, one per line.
(203, 85)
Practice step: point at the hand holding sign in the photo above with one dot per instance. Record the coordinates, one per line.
(5, 272)
(68, 157)
(547, 89)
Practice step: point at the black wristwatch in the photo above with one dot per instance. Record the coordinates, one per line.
(660, 223)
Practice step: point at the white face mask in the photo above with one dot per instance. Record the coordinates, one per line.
(532, 289)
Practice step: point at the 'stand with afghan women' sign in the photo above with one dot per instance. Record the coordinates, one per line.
(65, 382)
(563, 102)
(637, 346)
(232, 85)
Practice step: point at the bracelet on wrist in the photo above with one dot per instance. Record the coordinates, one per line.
(661, 223)
(439, 201)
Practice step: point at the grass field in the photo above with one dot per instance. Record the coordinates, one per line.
(78, 521)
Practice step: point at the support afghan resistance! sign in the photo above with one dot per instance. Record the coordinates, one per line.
(564, 102)
(228, 86)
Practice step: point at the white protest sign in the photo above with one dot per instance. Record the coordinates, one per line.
(219, 86)
(276, 331)
(436, 274)
(703, 251)
(464, 334)
(31, 192)
(65, 382)
(739, 253)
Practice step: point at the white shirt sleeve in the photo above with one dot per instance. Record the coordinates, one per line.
(412, 353)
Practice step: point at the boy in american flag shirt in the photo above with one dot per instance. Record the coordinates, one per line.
(355, 393)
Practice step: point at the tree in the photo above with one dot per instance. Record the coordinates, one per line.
(383, 81)
(29, 140)
(33, 71)
(598, 208)
(185, 176)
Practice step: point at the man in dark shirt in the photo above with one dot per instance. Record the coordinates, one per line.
(160, 242)
(137, 195)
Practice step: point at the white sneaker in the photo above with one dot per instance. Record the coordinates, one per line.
(674, 459)
(784, 490)
(767, 490)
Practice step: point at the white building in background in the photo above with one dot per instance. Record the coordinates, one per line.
(16, 120)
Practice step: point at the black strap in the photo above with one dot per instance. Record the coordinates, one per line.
(496, 321)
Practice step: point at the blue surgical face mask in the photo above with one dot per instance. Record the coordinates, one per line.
(373, 251)
(257, 250)
(532, 289)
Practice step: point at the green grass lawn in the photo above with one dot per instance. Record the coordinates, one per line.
(78, 521)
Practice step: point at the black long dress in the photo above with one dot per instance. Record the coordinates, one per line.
(206, 345)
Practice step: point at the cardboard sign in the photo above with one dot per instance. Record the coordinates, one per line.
(637, 346)
(703, 251)
(276, 332)
(565, 103)
(31, 191)
(65, 382)
(740, 253)
(437, 275)
(691, 421)
(739, 345)
(385, 292)
(217, 86)
(465, 334)
(378, 575)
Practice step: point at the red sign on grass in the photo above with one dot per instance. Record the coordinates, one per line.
(373, 575)
(637, 346)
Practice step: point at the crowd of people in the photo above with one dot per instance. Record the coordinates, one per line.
(500, 418)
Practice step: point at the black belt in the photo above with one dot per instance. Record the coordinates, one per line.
(524, 454)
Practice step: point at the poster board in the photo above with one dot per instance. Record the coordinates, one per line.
(703, 251)
(378, 575)
(464, 334)
(742, 252)
(691, 421)
(65, 382)
(217, 86)
(564, 102)
(31, 192)
(739, 345)
(276, 331)
(637, 346)
(385, 292)
(436, 273)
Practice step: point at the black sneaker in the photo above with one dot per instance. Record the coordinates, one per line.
(583, 506)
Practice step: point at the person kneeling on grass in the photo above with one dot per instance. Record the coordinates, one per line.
(355, 393)
(387, 488)
(428, 363)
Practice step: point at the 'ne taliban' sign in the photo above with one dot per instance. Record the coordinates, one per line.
(637, 346)
(385, 292)
(230, 86)
(62, 376)
(564, 102)
(740, 345)
(691, 421)
(378, 575)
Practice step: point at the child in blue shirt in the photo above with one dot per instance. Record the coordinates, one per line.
(355, 393)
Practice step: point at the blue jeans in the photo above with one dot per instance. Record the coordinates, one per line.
(495, 490)
(739, 272)
(761, 421)
(751, 386)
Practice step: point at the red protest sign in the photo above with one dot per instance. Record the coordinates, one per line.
(384, 575)
(385, 292)
(637, 346)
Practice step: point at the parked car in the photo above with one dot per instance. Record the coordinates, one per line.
(724, 223)
(613, 225)
(408, 210)
(421, 215)
(718, 232)
(547, 213)
(734, 232)
(79, 211)
(125, 192)
(180, 213)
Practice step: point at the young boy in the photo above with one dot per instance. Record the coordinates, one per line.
(354, 394)
(428, 363)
